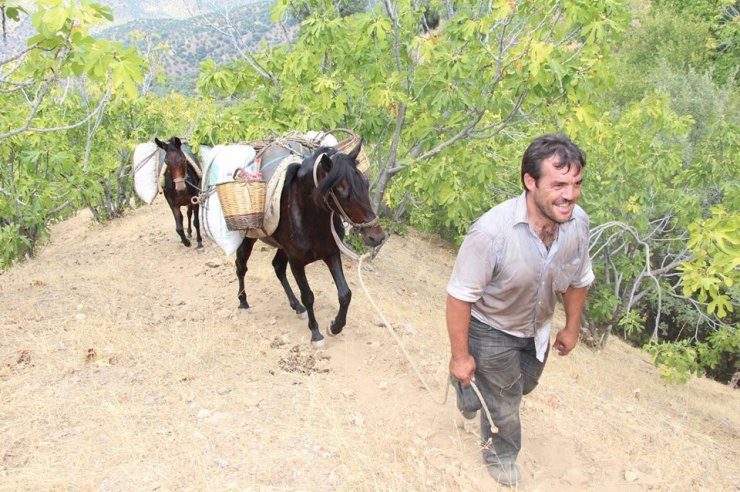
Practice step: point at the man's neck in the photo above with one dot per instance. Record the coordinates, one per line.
(545, 228)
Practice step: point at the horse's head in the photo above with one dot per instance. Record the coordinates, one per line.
(177, 163)
(346, 191)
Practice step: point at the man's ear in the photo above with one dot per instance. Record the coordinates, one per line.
(529, 182)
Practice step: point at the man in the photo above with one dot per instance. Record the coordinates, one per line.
(501, 294)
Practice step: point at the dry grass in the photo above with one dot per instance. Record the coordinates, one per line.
(126, 365)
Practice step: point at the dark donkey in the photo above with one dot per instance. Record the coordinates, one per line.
(318, 193)
(181, 184)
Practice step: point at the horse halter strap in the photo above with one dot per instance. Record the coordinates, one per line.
(342, 212)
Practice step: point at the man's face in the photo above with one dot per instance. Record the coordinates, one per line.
(557, 191)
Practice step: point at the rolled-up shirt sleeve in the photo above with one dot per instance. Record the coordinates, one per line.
(473, 268)
(584, 276)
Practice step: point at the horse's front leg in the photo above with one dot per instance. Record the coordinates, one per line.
(280, 265)
(178, 225)
(334, 263)
(299, 273)
(242, 256)
(196, 222)
(190, 220)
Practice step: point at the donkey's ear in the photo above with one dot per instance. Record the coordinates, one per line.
(160, 143)
(356, 151)
(176, 142)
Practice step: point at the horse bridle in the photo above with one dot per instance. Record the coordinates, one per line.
(340, 209)
(185, 179)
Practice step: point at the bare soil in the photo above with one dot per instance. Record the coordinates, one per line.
(125, 364)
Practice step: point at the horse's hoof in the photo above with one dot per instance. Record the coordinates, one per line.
(319, 344)
(186, 243)
(243, 305)
(301, 314)
(331, 331)
(200, 246)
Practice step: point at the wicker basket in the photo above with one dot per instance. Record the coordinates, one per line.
(243, 204)
(346, 146)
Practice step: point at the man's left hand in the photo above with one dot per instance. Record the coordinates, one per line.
(565, 341)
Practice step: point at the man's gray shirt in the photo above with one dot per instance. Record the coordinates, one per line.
(511, 279)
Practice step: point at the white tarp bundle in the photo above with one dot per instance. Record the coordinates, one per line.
(146, 171)
(219, 164)
(325, 139)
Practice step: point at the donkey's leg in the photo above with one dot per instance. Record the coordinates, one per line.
(242, 256)
(178, 225)
(334, 263)
(299, 273)
(280, 264)
(196, 222)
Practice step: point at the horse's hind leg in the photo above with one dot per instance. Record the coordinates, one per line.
(178, 225)
(242, 257)
(299, 273)
(196, 222)
(280, 265)
(343, 292)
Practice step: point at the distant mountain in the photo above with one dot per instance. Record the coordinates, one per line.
(193, 39)
(186, 27)
(130, 10)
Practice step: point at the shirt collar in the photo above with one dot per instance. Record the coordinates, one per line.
(520, 209)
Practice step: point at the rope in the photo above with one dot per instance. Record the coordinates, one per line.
(144, 161)
(494, 429)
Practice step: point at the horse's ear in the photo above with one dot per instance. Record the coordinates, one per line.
(176, 141)
(160, 143)
(325, 163)
(356, 151)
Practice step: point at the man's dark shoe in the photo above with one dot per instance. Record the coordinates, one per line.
(505, 473)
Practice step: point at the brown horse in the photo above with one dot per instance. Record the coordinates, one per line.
(318, 194)
(181, 184)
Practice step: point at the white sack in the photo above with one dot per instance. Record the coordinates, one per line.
(211, 213)
(223, 160)
(146, 172)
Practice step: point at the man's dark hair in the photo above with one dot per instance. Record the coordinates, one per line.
(546, 146)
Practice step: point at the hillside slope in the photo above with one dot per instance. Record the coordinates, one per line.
(126, 365)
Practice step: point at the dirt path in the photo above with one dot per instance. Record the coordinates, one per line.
(126, 365)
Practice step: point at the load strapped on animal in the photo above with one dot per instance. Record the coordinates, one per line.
(220, 163)
(146, 167)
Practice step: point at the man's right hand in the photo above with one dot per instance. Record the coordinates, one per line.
(462, 368)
